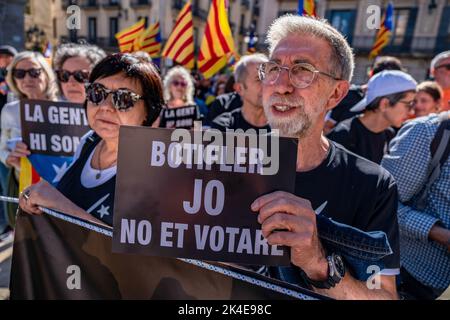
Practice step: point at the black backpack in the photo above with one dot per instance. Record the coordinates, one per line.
(440, 151)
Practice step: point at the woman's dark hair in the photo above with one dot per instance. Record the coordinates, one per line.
(393, 99)
(136, 68)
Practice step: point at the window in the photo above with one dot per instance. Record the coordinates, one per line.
(344, 21)
(55, 33)
(92, 30)
(400, 20)
(113, 29)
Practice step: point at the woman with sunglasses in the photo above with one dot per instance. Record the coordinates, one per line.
(29, 77)
(73, 63)
(179, 93)
(123, 90)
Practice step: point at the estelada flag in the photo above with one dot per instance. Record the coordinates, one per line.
(127, 37)
(384, 34)
(180, 45)
(28, 175)
(150, 41)
(217, 40)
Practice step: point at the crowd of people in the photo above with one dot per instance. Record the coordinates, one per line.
(374, 156)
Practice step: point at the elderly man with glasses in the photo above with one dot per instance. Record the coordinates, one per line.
(342, 203)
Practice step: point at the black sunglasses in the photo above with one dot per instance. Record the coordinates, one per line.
(122, 99)
(21, 73)
(80, 76)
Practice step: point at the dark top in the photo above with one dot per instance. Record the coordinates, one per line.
(98, 201)
(223, 103)
(355, 137)
(356, 192)
(182, 117)
(234, 120)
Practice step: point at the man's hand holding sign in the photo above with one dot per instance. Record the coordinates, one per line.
(289, 220)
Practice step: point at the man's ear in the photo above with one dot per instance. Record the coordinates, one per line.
(238, 87)
(340, 91)
(384, 104)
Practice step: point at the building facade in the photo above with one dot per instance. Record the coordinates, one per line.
(421, 27)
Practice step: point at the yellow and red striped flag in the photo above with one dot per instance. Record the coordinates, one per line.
(307, 8)
(28, 175)
(217, 40)
(180, 45)
(150, 41)
(126, 38)
(384, 34)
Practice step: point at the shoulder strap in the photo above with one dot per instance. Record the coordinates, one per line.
(440, 151)
(92, 139)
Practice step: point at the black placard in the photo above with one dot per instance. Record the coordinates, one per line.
(154, 211)
(51, 127)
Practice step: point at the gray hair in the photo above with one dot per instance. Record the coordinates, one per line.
(184, 73)
(439, 57)
(51, 91)
(341, 61)
(90, 52)
(240, 69)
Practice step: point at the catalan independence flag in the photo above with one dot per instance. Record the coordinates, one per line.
(307, 8)
(150, 41)
(126, 38)
(180, 45)
(217, 40)
(28, 175)
(384, 34)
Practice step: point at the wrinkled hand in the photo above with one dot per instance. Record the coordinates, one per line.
(13, 159)
(290, 221)
(41, 194)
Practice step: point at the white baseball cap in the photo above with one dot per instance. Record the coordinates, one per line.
(383, 84)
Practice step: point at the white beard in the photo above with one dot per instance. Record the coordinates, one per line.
(296, 125)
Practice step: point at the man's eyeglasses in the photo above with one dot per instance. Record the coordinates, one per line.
(21, 73)
(300, 74)
(446, 66)
(122, 99)
(177, 83)
(80, 76)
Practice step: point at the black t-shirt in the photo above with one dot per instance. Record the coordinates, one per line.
(182, 117)
(223, 103)
(234, 120)
(355, 137)
(356, 192)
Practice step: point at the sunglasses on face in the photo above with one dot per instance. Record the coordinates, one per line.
(80, 76)
(446, 66)
(21, 73)
(177, 83)
(122, 99)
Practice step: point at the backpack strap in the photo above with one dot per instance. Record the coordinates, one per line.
(440, 151)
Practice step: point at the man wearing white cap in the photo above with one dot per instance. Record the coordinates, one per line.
(388, 102)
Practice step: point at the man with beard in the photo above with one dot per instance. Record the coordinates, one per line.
(248, 87)
(309, 71)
